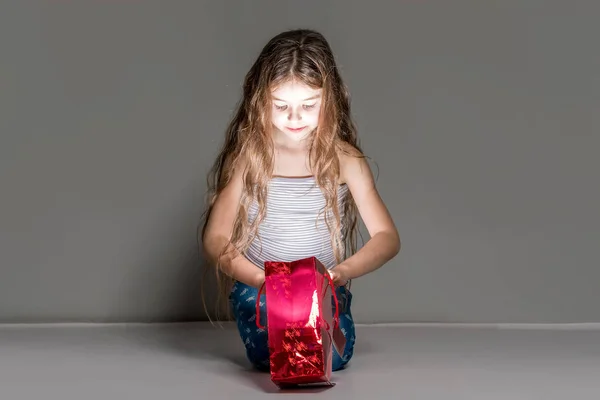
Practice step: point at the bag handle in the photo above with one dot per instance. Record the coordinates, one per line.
(336, 318)
(258, 324)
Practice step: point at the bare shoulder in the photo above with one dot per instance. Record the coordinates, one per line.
(235, 165)
(227, 202)
(354, 168)
(357, 175)
(347, 150)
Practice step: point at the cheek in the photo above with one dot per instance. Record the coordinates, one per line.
(278, 119)
(312, 119)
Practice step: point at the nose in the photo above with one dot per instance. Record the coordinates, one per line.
(294, 115)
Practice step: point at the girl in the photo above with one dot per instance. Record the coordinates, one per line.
(288, 184)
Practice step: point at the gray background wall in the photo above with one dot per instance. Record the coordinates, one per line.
(481, 116)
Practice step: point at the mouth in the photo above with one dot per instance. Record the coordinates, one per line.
(296, 130)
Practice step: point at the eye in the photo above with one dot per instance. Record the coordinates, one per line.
(309, 106)
(281, 108)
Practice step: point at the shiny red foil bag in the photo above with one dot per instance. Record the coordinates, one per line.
(301, 327)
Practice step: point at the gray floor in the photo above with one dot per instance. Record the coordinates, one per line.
(198, 361)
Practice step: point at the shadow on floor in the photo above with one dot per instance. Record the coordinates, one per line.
(218, 348)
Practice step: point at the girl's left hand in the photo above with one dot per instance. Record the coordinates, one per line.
(338, 275)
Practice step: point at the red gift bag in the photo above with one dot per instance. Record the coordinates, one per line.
(301, 328)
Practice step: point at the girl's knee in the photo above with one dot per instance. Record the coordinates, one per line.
(242, 300)
(338, 364)
(259, 360)
(257, 351)
(340, 361)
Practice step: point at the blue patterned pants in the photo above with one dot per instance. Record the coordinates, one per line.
(243, 302)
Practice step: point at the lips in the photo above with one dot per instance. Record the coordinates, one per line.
(296, 129)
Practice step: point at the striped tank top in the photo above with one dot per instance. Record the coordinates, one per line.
(292, 228)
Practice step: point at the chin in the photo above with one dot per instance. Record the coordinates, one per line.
(299, 138)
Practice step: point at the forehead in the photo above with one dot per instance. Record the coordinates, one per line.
(293, 91)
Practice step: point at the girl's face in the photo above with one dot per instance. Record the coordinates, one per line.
(296, 109)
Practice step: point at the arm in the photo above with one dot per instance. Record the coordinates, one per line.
(219, 231)
(384, 243)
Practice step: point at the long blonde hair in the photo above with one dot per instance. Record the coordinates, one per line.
(303, 55)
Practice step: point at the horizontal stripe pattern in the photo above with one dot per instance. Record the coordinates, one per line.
(292, 228)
